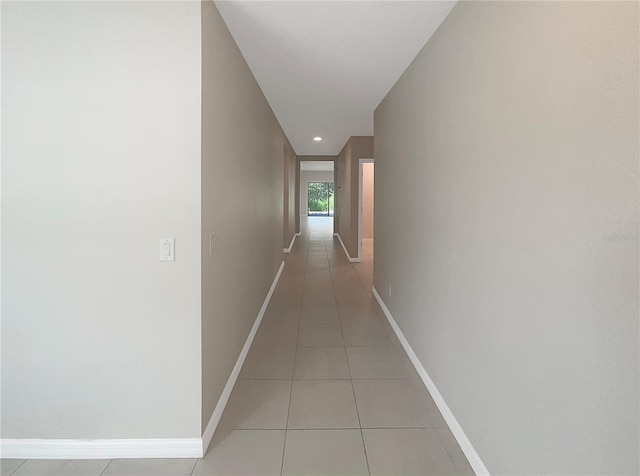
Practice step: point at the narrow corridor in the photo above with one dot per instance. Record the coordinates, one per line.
(326, 388)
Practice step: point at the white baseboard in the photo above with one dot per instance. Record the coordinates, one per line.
(288, 250)
(226, 392)
(474, 458)
(351, 260)
(32, 448)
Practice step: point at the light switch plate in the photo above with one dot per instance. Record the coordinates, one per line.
(167, 249)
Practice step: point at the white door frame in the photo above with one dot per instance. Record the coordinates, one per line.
(360, 192)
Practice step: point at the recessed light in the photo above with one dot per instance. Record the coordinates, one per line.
(317, 139)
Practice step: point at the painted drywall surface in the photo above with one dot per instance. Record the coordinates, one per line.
(342, 188)
(289, 195)
(307, 176)
(507, 223)
(242, 203)
(101, 159)
(347, 179)
(297, 196)
(367, 200)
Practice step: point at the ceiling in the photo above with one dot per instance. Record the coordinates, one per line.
(317, 165)
(324, 66)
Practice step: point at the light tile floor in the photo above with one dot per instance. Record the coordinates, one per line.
(326, 388)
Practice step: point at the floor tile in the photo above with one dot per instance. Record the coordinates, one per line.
(341, 282)
(318, 299)
(406, 451)
(317, 277)
(271, 335)
(358, 315)
(317, 264)
(297, 256)
(292, 277)
(320, 335)
(282, 315)
(8, 466)
(376, 362)
(367, 335)
(367, 282)
(257, 404)
(293, 289)
(363, 267)
(320, 315)
(321, 363)
(317, 268)
(457, 457)
(150, 467)
(466, 472)
(243, 452)
(284, 299)
(335, 262)
(324, 453)
(435, 417)
(346, 269)
(360, 298)
(294, 265)
(57, 467)
(322, 404)
(365, 274)
(268, 363)
(389, 403)
(324, 285)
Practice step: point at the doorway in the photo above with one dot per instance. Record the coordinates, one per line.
(320, 199)
(365, 211)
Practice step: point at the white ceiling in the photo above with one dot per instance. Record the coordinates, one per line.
(317, 165)
(324, 66)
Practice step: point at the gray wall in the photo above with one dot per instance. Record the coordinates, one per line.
(506, 161)
(100, 159)
(242, 202)
(289, 177)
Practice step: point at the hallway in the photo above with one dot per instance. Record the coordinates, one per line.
(326, 389)
(154, 161)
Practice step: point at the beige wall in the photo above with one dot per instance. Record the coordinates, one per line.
(290, 188)
(347, 183)
(307, 176)
(507, 224)
(119, 163)
(367, 200)
(100, 159)
(242, 202)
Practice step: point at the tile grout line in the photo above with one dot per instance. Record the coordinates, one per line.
(295, 355)
(324, 428)
(447, 451)
(364, 446)
(106, 467)
(20, 466)
(195, 464)
(353, 391)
